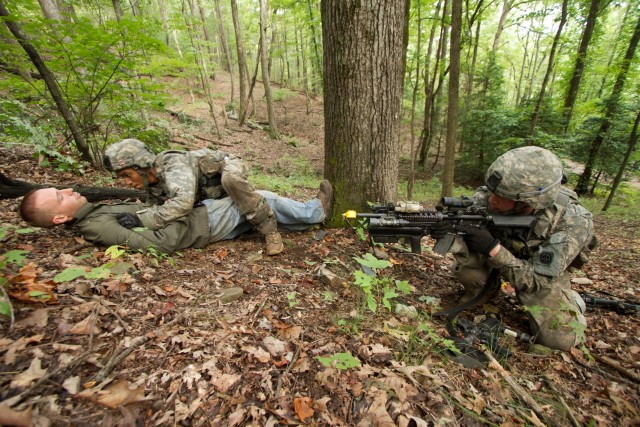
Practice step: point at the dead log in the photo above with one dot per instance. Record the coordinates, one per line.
(13, 188)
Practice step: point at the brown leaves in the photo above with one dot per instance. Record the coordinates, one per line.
(25, 286)
(117, 394)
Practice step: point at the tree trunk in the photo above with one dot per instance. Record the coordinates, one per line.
(264, 64)
(314, 41)
(578, 68)
(454, 86)
(414, 95)
(633, 140)
(117, 9)
(547, 75)
(506, 8)
(364, 44)
(163, 18)
(13, 188)
(423, 148)
(242, 64)
(611, 109)
(225, 48)
(207, 39)
(51, 10)
(50, 81)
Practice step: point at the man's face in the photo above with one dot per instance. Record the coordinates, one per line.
(62, 205)
(131, 178)
(500, 205)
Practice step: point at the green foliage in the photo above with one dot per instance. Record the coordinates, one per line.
(378, 290)
(342, 361)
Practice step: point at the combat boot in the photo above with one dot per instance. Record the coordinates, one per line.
(274, 243)
(325, 195)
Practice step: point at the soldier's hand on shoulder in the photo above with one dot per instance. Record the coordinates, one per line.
(128, 220)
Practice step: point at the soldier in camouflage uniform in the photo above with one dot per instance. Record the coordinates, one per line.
(536, 262)
(177, 180)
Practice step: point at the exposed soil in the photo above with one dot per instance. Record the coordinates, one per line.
(155, 345)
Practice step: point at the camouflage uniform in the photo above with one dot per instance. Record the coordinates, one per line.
(537, 262)
(188, 177)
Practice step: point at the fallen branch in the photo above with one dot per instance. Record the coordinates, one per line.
(517, 388)
(122, 322)
(117, 358)
(553, 388)
(13, 188)
(35, 388)
(618, 367)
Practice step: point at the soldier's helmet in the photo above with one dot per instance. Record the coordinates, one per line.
(529, 174)
(128, 153)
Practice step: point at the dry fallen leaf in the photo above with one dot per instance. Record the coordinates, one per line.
(117, 394)
(303, 407)
(9, 417)
(25, 378)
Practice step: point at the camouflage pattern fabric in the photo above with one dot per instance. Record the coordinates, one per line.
(180, 186)
(538, 266)
(532, 175)
(128, 153)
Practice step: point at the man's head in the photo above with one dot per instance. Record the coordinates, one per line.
(529, 176)
(46, 207)
(132, 161)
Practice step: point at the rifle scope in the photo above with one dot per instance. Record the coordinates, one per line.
(456, 202)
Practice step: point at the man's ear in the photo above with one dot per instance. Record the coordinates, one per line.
(60, 219)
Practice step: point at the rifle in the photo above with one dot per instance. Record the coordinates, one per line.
(609, 304)
(411, 221)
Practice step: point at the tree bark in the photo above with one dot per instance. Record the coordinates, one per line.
(314, 41)
(454, 87)
(633, 140)
(51, 10)
(547, 74)
(578, 68)
(242, 63)
(13, 188)
(264, 65)
(51, 83)
(225, 48)
(611, 109)
(365, 45)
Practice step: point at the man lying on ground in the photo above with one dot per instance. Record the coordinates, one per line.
(213, 221)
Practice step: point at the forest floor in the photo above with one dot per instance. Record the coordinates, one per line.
(154, 341)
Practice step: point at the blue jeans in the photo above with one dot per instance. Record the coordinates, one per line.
(226, 221)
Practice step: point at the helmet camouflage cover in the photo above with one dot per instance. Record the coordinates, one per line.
(128, 153)
(531, 175)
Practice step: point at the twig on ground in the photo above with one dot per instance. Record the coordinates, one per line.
(212, 141)
(293, 360)
(517, 388)
(553, 388)
(8, 300)
(116, 358)
(110, 310)
(618, 367)
(35, 388)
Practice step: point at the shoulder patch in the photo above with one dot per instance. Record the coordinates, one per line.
(546, 258)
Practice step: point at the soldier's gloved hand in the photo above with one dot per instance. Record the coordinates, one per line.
(441, 229)
(479, 240)
(128, 220)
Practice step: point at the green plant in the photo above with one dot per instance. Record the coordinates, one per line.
(378, 289)
(157, 256)
(291, 297)
(342, 361)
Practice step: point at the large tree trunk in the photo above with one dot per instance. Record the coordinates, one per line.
(612, 106)
(13, 188)
(51, 83)
(365, 45)
(454, 86)
(547, 75)
(578, 68)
